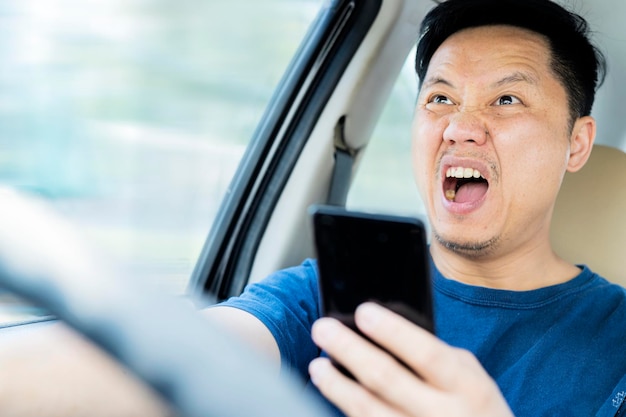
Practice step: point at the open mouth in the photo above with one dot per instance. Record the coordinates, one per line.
(464, 185)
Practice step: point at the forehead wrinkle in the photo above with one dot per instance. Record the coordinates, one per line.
(517, 76)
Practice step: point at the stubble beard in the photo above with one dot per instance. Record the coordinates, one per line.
(471, 250)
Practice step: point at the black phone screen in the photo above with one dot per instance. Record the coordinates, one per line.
(372, 257)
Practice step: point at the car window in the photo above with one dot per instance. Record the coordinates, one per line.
(384, 181)
(130, 116)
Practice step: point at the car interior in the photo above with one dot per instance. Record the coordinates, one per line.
(582, 235)
(311, 146)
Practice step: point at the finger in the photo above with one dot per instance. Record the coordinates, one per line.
(351, 398)
(374, 368)
(435, 361)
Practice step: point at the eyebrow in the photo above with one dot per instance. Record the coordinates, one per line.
(436, 80)
(517, 76)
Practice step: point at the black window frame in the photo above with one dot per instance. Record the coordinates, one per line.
(226, 259)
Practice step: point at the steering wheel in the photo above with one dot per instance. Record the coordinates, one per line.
(195, 366)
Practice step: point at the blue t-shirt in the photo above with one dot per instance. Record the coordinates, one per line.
(554, 351)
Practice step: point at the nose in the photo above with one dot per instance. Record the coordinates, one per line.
(466, 126)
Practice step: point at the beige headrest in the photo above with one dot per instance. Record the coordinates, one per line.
(589, 223)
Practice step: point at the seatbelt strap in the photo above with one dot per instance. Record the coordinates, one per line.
(342, 170)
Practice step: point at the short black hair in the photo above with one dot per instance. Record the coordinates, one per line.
(577, 63)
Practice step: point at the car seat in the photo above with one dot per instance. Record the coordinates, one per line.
(589, 222)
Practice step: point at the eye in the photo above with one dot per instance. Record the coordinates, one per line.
(440, 99)
(507, 100)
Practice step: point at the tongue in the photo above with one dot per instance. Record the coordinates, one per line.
(470, 192)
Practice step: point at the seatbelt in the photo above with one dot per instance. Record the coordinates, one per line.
(342, 171)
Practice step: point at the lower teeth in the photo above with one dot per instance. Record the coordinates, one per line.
(450, 195)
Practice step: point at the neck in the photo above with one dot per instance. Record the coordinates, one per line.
(518, 270)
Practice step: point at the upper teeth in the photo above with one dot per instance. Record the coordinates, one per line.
(460, 172)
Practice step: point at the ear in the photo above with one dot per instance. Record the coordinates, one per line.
(581, 142)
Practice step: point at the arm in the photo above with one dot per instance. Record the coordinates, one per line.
(451, 381)
(249, 329)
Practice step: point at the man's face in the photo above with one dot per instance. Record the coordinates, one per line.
(490, 140)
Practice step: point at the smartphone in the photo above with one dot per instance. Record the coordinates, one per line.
(372, 257)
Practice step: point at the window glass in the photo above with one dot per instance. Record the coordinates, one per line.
(130, 116)
(384, 180)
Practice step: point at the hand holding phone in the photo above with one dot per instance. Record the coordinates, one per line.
(372, 257)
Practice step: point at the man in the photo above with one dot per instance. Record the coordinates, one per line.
(506, 89)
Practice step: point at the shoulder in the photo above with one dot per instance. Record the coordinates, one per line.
(294, 288)
(303, 276)
(599, 284)
(600, 292)
(601, 306)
